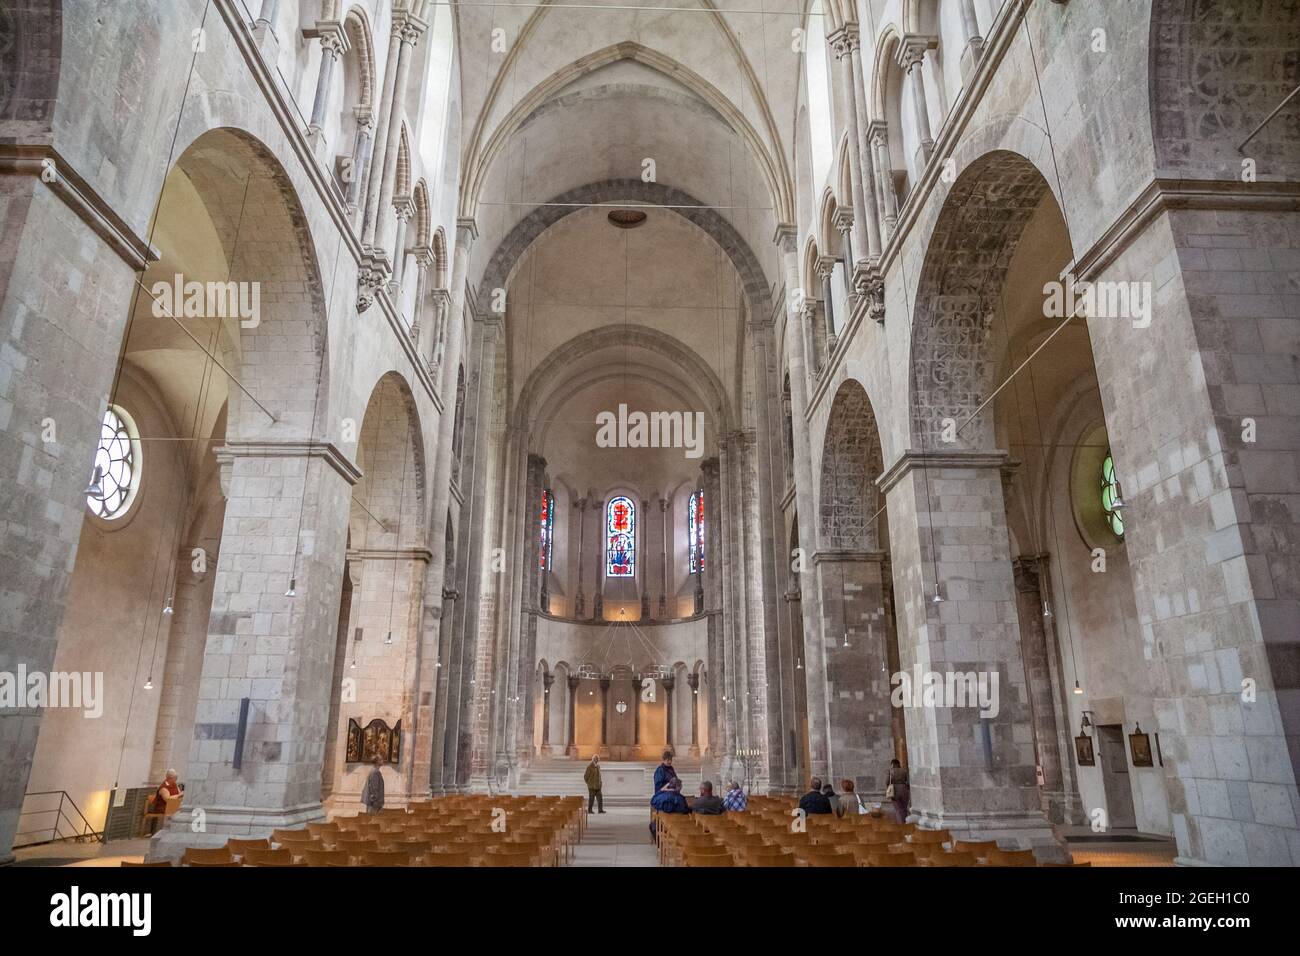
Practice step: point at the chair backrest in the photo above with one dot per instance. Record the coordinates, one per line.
(978, 847)
(292, 836)
(268, 857)
(386, 858)
(929, 836)
(238, 848)
(327, 857)
(890, 859)
(446, 858)
(949, 859)
(197, 856)
(1011, 858)
(154, 863)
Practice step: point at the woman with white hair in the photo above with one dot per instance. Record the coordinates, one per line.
(167, 798)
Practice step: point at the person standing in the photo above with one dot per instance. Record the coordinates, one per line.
(372, 794)
(897, 790)
(592, 779)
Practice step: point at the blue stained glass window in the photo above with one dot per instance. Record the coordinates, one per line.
(620, 538)
(695, 531)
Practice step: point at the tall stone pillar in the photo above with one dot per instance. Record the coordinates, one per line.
(598, 598)
(1060, 793)
(361, 146)
(850, 586)
(693, 681)
(548, 681)
(669, 682)
(663, 571)
(645, 563)
(911, 56)
(580, 598)
(972, 767)
(818, 715)
(274, 649)
(846, 44)
(571, 747)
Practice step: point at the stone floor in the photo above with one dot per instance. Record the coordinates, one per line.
(619, 837)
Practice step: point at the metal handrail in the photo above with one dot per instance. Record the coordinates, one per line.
(59, 818)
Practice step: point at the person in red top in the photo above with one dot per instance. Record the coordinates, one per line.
(169, 790)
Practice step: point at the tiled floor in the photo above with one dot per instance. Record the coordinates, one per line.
(619, 837)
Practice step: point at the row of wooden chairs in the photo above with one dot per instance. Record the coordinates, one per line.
(467, 830)
(764, 837)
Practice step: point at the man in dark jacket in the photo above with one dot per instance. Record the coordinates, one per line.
(706, 803)
(814, 801)
(592, 779)
(372, 794)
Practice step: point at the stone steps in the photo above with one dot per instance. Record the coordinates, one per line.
(624, 783)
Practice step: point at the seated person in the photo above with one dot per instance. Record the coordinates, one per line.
(735, 801)
(668, 800)
(706, 803)
(814, 801)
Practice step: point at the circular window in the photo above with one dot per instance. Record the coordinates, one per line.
(116, 472)
(1111, 502)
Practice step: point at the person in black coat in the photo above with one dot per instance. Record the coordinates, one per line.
(814, 801)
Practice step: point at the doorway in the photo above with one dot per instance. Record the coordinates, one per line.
(1115, 777)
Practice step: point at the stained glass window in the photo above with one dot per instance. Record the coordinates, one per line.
(117, 466)
(695, 531)
(1111, 502)
(620, 538)
(547, 530)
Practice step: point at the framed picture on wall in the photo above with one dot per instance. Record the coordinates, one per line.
(1139, 745)
(1083, 752)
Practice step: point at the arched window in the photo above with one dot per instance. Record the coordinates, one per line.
(695, 531)
(547, 530)
(1111, 502)
(821, 121)
(620, 538)
(116, 474)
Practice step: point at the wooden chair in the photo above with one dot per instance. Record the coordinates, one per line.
(196, 856)
(327, 858)
(155, 863)
(768, 856)
(947, 859)
(282, 837)
(1011, 858)
(355, 848)
(981, 848)
(825, 856)
(922, 837)
(255, 857)
(386, 858)
(1089, 863)
(447, 858)
(238, 848)
(890, 859)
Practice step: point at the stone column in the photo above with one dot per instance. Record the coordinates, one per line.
(411, 30)
(663, 580)
(266, 646)
(636, 711)
(645, 562)
(571, 748)
(911, 55)
(974, 48)
(442, 312)
(423, 261)
(604, 711)
(818, 717)
(548, 680)
(598, 599)
(856, 674)
(1037, 643)
(825, 269)
(403, 210)
(333, 44)
(693, 681)
(861, 152)
(360, 154)
(812, 347)
(379, 151)
(580, 599)
(866, 240)
(888, 203)
(668, 682)
(972, 768)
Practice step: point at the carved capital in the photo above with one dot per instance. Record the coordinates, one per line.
(911, 51)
